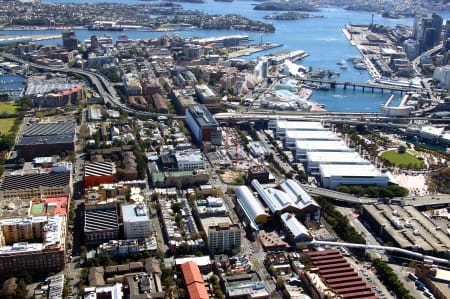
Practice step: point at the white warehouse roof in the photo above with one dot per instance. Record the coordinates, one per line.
(329, 170)
(299, 125)
(337, 157)
(314, 145)
(311, 135)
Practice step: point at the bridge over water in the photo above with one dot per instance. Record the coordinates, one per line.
(369, 86)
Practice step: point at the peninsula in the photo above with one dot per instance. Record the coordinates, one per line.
(290, 5)
(291, 15)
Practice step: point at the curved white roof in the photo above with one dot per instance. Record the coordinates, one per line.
(251, 206)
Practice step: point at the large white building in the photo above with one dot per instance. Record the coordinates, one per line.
(333, 175)
(136, 221)
(281, 126)
(293, 136)
(315, 159)
(189, 160)
(304, 147)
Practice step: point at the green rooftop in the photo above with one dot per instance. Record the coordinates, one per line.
(38, 209)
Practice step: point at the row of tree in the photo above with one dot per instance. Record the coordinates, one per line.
(341, 225)
(374, 191)
(390, 279)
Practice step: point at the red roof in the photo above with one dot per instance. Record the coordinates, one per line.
(323, 253)
(341, 270)
(336, 286)
(359, 295)
(339, 275)
(333, 266)
(194, 281)
(326, 262)
(352, 289)
(343, 279)
(60, 207)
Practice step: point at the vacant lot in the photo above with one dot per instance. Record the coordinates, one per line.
(6, 124)
(402, 160)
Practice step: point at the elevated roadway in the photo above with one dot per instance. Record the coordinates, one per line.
(104, 88)
(416, 201)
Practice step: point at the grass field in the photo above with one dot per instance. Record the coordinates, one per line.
(402, 159)
(7, 108)
(6, 124)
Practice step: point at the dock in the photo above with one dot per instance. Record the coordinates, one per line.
(252, 49)
(45, 37)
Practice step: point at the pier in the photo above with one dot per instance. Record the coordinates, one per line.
(363, 86)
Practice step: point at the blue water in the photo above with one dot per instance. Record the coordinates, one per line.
(321, 37)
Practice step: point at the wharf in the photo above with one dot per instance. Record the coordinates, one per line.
(353, 39)
(252, 49)
(45, 37)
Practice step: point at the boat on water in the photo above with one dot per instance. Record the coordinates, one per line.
(224, 0)
(343, 66)
(360, 66)
(340, 62)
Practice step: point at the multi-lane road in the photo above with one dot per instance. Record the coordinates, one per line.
(104, 88)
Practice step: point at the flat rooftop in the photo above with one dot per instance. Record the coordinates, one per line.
(341, 157)
(214, 221)
(342, 170)
(45, 129)
(299, 125)
(332, 145)
(311, 135)
(29, 181)
(415, 231)
(203, 117)
(135, 213)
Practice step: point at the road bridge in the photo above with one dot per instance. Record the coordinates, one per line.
(369, 86)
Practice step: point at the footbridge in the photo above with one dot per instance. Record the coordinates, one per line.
(377, 247)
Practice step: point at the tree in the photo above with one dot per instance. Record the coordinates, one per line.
(83, 252)
(21, 291)
(401, 149)
(176, 207)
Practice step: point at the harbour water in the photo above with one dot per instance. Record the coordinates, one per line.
(322, 38)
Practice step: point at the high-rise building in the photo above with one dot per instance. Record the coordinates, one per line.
(70, 40)
(224, 237)
(203, 125)
(427, 31)
(32, 244)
